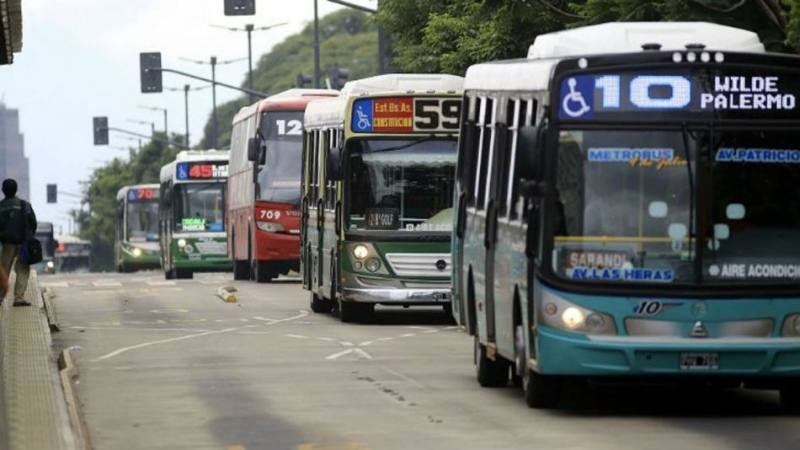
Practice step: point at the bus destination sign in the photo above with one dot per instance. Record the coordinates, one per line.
(142, 194)
(673, 94)
(201, 170)
(406, 114)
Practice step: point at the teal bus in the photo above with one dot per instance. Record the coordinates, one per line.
(377, 190)
(192, 214)
(627, 210)
(136, 232)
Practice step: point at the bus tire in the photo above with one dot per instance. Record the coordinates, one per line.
(354, 311)
(184, 274)
(540, 391)
(790, 399)
(263, 272)
(241, 270)
(320, 305)
(169, 274)
(490, 373)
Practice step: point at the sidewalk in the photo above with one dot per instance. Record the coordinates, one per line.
(35, 414)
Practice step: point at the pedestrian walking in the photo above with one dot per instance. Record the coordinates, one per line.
(17, 224)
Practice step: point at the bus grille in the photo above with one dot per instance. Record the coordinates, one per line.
(420, 264)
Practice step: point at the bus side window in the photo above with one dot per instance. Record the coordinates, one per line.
(483, 154)
(522, 114)
(333, 142)
(467, 148)
(313, 192)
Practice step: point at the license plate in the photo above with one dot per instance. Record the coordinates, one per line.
(441, 296)
(699, 361)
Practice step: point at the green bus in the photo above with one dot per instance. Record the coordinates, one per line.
(136, 232)
(377, 190)
(192, 214)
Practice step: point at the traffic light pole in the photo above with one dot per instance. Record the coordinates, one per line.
(148, 137)
(381, 35)
(215, 82)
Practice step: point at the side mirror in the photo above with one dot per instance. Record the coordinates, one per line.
(530, 144)
(334, 169)
(252, 149)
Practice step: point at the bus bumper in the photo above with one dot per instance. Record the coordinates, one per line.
(398, 296)
(561, 353)
(277, 247)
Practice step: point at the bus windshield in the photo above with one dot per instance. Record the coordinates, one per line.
(626, 203)
(142, 221)
(401, 184)
(279, 176)
(199, 207)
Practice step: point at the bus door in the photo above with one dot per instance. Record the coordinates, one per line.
(486, 200)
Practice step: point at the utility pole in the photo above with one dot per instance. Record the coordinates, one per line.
(156, 108)
(317, 70)
(249, 28)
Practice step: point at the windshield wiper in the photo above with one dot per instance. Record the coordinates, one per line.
(693, 241)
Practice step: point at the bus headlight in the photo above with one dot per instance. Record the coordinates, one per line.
(361, 252)
(373, 264)
(791, 326)
(50, 264)
(137, 252)
(269, 227)
(557, 312)
(181, 243)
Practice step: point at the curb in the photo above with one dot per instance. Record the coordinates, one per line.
(226, 293)
(67, 371)
(49, 309)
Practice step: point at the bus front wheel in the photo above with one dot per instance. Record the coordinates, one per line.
(540, 391)
(263, 272)
(319, 304)
(184, 274)
(241, 270)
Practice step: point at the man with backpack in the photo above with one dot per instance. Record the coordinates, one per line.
(17, 225)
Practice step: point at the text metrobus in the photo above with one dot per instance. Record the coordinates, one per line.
(136, 232)
(632, 214)
(264, 185)
(377, 193)
(192, 214)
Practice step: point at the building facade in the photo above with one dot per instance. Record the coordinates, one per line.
(13, 162)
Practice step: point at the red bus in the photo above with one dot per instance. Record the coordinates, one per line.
(263, 207)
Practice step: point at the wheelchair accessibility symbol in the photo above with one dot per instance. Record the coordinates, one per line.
(363, 116)
(576, 97)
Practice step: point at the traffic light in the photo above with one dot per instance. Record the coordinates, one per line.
(52, 193)
(338, 76)
(150, 72)
(100, 130)
(240, 7)
(302, 80)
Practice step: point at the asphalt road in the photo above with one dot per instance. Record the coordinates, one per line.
(169, 365)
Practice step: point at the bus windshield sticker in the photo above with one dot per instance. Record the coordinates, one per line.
(724, 91)
(623, 274)
(383, 218)
(754, 270)
(758, 155)
(406, 114)
(193, 224)
(657, 158)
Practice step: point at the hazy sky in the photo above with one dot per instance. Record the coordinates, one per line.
(80, 59)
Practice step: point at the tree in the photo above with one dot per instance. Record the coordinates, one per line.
(457, 33)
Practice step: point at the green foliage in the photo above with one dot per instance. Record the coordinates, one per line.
(347, 38)
(450, 35)
(100, 193)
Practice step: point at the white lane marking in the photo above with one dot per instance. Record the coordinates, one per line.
(296, 336)
(303, 313)
(106, 283)
(54, 284)
(386, 339)
(163, 341)
(407, 335)
(80, 283)
(364, 344)
(326, 339)
(346, 344)
(161, 283)
(185, 330)
(357, 351)
(430, 331)
(213, 281)
(253, 332)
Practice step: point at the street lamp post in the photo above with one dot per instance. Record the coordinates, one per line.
(156, 108)
(213, 63)
(185, 89)
(317, 71)
(249, 28)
